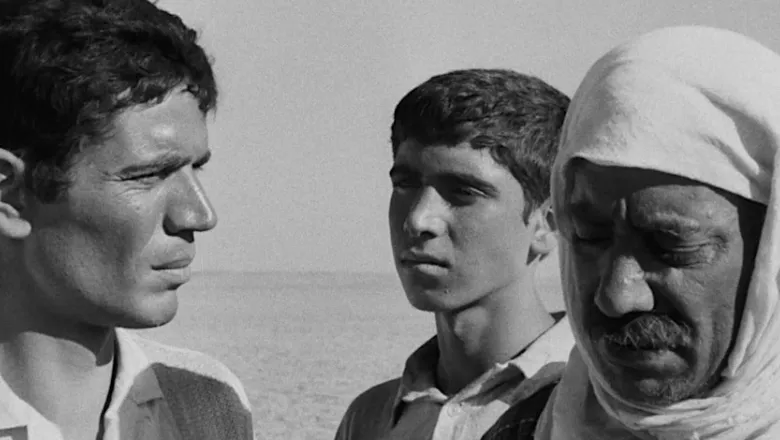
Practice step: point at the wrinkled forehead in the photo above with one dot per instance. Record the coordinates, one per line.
(592, 180)
(597, 192)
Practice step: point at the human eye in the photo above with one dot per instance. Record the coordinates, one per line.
(687, 256)
(404, 182)
(590, 237)
(462, 194)
(596, 239)
(589, 233)
(149, 175)
(681, 251)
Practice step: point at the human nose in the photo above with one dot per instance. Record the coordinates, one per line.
(190, 208)
(623, 288)
(426, 214)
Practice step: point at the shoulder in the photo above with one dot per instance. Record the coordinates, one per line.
(192, 366)
(376, 401)
(372, 409)
(384, 392)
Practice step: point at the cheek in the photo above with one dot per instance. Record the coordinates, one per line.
(127, 224)
(396, 215)
(718, 305)
(581, 275)
(497, 243)
(584, 274)
(580, 283)
(113, 232)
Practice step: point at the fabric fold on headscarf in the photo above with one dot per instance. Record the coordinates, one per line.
(704, 104)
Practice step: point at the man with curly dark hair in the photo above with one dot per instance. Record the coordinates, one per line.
(102, 136)
(469, 223)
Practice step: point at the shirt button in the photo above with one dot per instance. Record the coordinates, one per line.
(454, 410)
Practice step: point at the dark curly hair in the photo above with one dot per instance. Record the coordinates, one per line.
(68, 67)
(517, 117)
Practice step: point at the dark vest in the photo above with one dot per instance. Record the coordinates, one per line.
(519, 421)
(220, 416)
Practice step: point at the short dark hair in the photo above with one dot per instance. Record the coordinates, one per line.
(517, 117)
(69, 67)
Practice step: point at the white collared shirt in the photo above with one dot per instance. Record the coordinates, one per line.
(137, 410)
(412, 407)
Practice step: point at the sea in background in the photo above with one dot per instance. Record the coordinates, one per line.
(304, 344)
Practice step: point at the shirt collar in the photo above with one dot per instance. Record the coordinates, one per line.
(419, 376)
(554, 345)
(14, 412)
(135, 380)
(418, 380)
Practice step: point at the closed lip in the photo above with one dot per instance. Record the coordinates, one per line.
(179, 263)
(415, 258)
(664, 359)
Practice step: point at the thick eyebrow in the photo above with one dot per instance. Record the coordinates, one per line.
(666, 222)
(469, 180)
(449, 177)
(167, 160)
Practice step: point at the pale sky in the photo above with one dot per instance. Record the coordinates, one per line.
(301, 135)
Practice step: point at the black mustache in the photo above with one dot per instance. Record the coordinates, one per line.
(646, 332)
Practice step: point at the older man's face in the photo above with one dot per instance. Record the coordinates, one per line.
(662, 266)
(115, 248)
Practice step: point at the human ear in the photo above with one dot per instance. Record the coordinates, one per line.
(545, 232)
(12, 224)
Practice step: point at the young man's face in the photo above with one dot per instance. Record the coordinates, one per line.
(456, 225)
(116, 246)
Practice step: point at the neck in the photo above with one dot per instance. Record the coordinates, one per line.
(494, 330)
(53, 363)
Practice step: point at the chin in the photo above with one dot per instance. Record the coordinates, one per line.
(423, 299)
(147, 320)
(157, 320)
(435, 300)
(653, 391)
(656, 377)
(152, 312)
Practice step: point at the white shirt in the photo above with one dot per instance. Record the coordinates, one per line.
(137, 410)
(412, 407)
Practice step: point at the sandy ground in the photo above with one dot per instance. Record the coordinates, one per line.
(304, 345)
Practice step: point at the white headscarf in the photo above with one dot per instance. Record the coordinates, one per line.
(704, 104)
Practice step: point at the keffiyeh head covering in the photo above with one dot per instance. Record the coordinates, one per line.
(704, 104)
